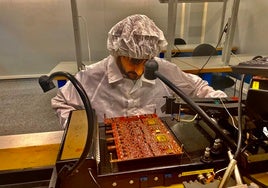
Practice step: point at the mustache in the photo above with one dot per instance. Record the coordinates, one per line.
(132, 75)
(132, 72)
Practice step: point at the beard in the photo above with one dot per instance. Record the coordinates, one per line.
(132, 75)
(127, 74)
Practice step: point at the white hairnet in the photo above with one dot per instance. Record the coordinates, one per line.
(136, 36)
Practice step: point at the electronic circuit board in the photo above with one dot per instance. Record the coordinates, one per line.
(137, 137)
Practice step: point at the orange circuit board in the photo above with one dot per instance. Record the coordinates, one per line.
(144, 136)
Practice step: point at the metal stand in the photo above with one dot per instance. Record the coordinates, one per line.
(77, 38)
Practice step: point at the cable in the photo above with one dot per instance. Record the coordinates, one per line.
(233, 161)
(239, 142)
(190, 120)
(174, 53)
(237, 57)
(220, 170)
(93, 178)
(228, 113)
(150, 72)
(47, 84)
(187, 120)
(219, 41)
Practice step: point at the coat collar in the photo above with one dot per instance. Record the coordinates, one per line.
(113, 72)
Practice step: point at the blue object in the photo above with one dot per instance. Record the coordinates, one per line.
(162, 55)
(61, 83)
(207, 77)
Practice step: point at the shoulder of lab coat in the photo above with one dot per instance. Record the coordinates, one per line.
(192, 85)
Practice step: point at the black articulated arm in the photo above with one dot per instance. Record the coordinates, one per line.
(151, 72)
(46, 83)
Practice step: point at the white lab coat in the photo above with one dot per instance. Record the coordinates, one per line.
(113, 95)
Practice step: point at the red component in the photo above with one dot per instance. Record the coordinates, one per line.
(234, 98)
(142, 136)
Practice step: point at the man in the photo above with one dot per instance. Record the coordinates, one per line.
(116, 86)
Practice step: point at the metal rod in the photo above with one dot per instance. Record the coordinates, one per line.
(172, 15)
(230, 33)
(222, 18)
(77, 38)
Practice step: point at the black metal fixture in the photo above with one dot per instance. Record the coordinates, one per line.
(46, 83)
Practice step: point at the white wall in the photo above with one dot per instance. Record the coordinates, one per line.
(34, 35)
(251, 33)
(37, 34)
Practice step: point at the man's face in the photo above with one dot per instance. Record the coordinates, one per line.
(130, 67)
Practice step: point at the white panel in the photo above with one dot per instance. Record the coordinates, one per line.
(35, 35)
(251, 32)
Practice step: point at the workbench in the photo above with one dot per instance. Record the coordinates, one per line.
(186, 50)
(38, 151)
(187, 64)
(215, 64)
(66, 66)
(189, 48)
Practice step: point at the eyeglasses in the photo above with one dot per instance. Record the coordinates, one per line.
(135, 61)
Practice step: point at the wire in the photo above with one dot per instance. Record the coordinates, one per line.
(233, 161)
(189, 120)
(174, 53)
(237, 57)
(93, 178)
(265, 131)
(219, 41)
(220, 170)
(239, 142)
(228, 113)
(68, 170)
